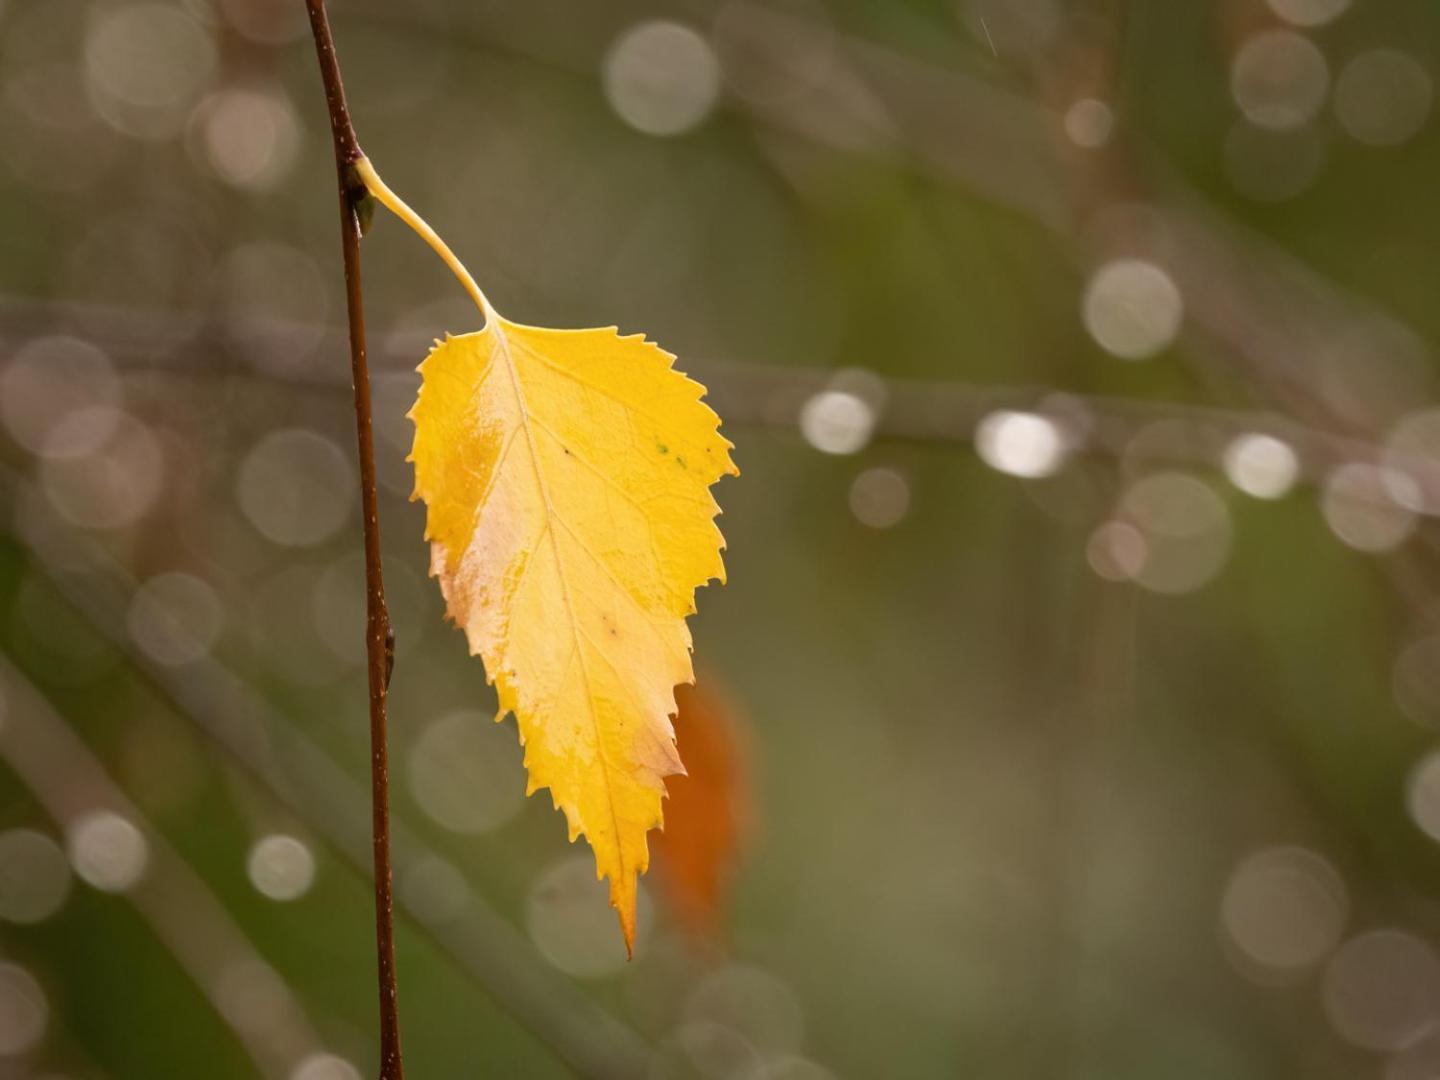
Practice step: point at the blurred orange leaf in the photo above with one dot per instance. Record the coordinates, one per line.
(706, 813)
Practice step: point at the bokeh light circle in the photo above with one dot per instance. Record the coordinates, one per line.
(281, 867)
(1279, 79)
(295, 487)
(1284, 910)
(1132, 308)
(107, 851)
(1381, 990)
(662, 78)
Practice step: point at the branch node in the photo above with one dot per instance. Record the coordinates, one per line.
(389, 654)
(362, 203)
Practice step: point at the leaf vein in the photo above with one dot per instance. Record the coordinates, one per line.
(629, 406)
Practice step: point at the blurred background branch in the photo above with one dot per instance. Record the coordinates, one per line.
(115, 850)
(147, 345)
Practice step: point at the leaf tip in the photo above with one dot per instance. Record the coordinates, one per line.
(624, 904)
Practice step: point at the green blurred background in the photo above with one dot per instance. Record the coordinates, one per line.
(1081, 630)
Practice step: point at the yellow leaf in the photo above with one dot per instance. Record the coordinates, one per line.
(566, 475)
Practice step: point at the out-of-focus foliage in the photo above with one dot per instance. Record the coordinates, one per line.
(1080, 358)
(707, 812)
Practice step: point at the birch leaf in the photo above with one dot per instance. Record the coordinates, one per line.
(567, 475)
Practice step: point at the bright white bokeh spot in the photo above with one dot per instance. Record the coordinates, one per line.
(880, 498)
(571, 922)
(1023, 444)
(250, 138)
(49, 378)
(1186, 527)
(1261, 465)
(837, 422)
(324, 1067)
(145, 64)
(295, 487)
(34, 876)
(101, 468)
(175, 618)
(281, 867)
(1381, 990)
(107, 851)
(1089, 122)
(24, 1012)
(1383, 97)
(1370, 507)
(462, 772)
(1132, 308)
(1279, 79)
(662, 78)
(1309, 12)
(1284, 910)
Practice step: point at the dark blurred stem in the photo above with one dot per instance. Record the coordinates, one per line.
(379, 639)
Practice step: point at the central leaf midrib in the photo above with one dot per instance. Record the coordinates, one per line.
(551, 516)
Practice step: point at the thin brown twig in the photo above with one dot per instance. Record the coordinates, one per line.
(379, 638)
